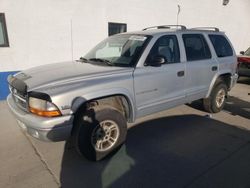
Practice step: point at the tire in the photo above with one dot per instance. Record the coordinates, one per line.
(217, 99)
(99, 133)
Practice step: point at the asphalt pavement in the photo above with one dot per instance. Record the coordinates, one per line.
(180, 147)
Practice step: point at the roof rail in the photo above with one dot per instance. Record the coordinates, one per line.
(207, 28)
(182, 27)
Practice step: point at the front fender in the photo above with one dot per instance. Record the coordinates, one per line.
(79, 101)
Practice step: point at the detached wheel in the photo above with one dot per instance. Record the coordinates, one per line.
(217, 99)
(99, 133)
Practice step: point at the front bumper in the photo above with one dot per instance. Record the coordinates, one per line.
(42, 128)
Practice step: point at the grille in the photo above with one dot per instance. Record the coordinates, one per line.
(19, 98)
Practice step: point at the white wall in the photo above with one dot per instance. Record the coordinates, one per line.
(233, 18)
(40, 31)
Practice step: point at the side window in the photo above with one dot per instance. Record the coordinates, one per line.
(196, 47)
(167, 47)
(4, 42)
(221, 45)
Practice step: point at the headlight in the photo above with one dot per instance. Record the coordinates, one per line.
(43, 108)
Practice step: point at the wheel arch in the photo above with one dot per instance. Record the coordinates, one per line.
(225, 77)
(121, 101)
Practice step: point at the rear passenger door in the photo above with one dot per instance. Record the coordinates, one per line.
(224, 53)
(200, 66)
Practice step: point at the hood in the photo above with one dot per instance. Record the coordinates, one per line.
(59, 73)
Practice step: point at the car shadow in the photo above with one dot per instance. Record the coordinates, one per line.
(198, 105)
(174, 151)
(244, 80)
(236, 106)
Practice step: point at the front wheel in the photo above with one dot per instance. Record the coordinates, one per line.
(217, 99)
(99, 133)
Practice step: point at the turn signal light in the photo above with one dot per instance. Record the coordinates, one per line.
(53, 113)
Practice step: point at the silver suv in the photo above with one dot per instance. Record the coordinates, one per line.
(126, 76)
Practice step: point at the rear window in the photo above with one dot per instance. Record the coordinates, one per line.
(221, 45)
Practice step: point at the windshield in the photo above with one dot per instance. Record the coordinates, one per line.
(118, 50)
(247, 52)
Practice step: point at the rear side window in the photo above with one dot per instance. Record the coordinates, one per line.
(196, 47)
(221, 45)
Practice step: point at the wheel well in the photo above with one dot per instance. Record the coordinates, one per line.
(226, 78)
(118, 102)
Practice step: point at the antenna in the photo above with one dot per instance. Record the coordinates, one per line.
(71, 37)
(178, 12)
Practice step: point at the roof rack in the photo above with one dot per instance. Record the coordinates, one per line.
(182, 27)
(206, 28)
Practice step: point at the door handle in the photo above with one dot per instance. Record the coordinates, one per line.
(214, 68)
(180, 73)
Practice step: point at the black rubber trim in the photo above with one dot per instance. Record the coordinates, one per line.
(214, 68)
(17, 84)
(136, 58)
(180, 73)
(39, 95)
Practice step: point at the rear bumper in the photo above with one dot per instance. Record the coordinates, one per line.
(234, 79)
(46, 129)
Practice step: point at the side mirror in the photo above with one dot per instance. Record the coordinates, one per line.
(242, 52)
(156, 61)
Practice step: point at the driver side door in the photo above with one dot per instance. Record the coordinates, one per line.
(162, 87)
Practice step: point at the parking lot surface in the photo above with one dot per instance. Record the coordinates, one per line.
(181, 147)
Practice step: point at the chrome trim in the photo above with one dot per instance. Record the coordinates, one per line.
(21, 101)
(20, 98)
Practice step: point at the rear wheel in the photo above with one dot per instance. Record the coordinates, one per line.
(217, 99)
(99, 133)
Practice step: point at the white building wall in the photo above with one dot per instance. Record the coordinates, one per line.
(40, 30)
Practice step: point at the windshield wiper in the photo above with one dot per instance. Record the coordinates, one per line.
(82, 59)
(102, 60)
